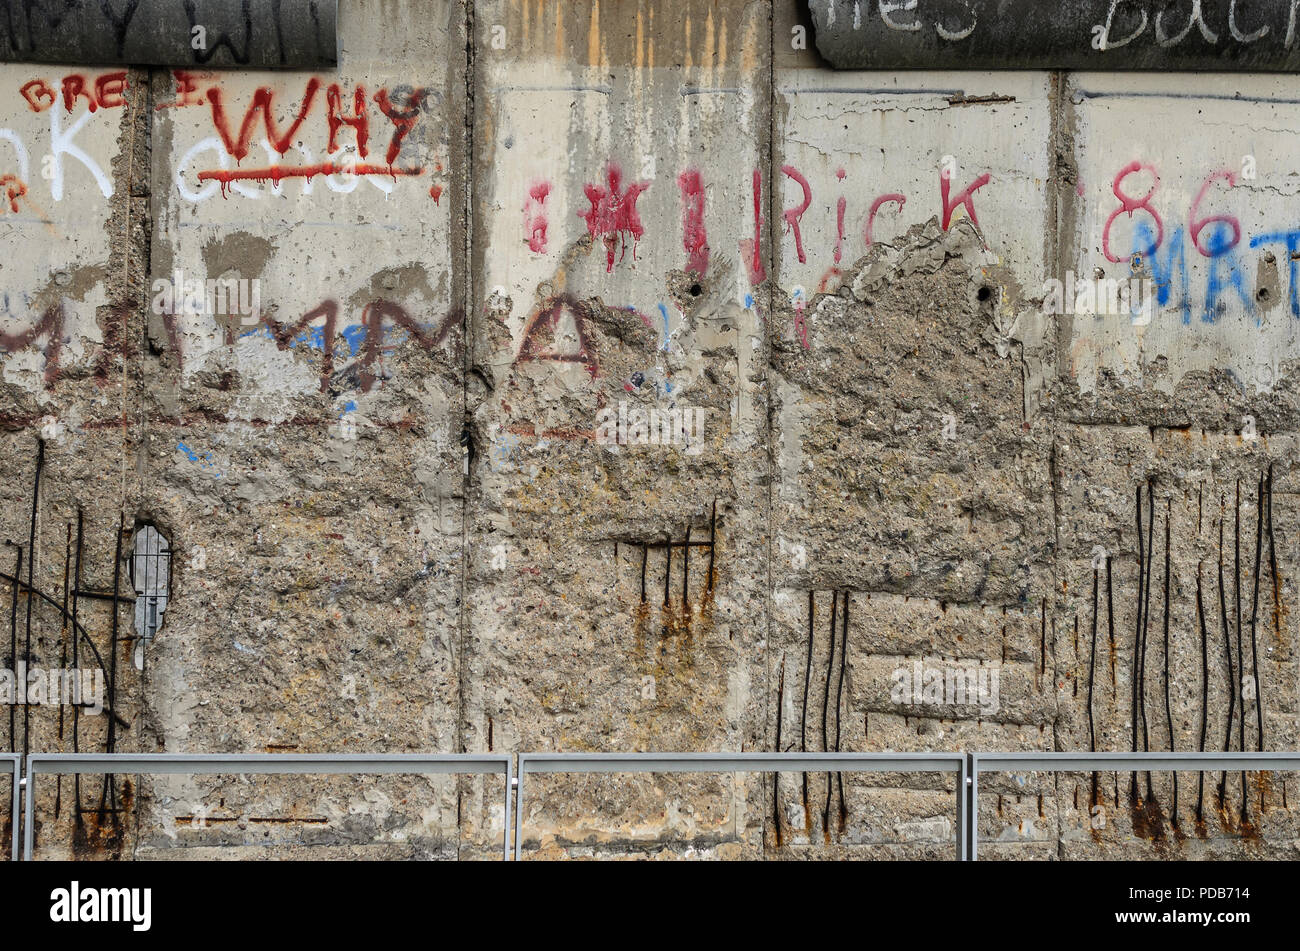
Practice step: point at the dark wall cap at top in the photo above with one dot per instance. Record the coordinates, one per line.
(1196, 35)
(199, 34)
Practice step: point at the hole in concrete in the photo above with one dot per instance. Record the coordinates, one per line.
(696, 290)
(1263, 293)
(984, 293)
(151, 576)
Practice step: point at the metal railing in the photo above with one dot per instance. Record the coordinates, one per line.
(272, 763)
(966, 767)
(1112, 762)
(955, 763)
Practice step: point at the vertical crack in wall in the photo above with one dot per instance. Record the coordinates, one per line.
(155, 543)
(1059, 175)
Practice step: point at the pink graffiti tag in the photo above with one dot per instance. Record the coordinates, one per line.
(1129, 204)
(894, 198)
(801, 323)
(695, 238)
(753, 249)
(535, 216)
(967, 198)
(792, 215)
(1197, 224)
(613, 215)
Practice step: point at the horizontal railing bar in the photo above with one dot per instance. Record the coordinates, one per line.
(287, 763)
(738, 762)
(1144, 762)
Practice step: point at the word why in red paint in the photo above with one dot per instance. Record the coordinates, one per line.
(402, 117)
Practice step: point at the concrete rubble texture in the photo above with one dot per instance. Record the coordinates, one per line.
(597, 376)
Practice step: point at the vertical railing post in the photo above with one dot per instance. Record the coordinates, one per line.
(973, 804)
(519, 803)
(29, 811)
(505, 816)
(963, 808)
(15, 808)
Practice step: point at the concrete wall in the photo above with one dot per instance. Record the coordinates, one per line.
(410, 496)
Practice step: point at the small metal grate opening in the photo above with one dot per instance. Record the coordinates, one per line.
(151, 576)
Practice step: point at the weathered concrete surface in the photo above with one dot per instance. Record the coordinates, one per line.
(1216, 157)
(322, 432)
(1201, 482)
(74, 279)
(613, 275)
(410, 487)
(907, 478)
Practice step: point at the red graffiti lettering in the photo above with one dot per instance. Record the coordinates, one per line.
(107, 92)
(263, 101)
(792, 215)
(74, 86)
(14, 188)
(613, 215)
(186, 91)
(403, 120)
(372, 319)
(967, 198)
(695, 238)
(110, 90)
(38, 94)
(359, 120)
